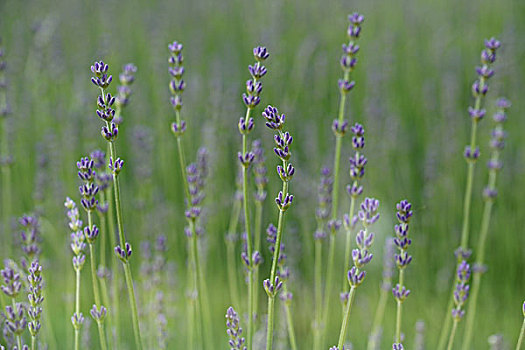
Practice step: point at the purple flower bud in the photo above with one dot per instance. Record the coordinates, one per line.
(98, 315)
(116, 166)
(338, 128)
(245, 125)
(400, 293)
(476, 114)
(257, 71)
(175, 47)
(178, 129)
(345, 86)
(260, 53)
(471, 155)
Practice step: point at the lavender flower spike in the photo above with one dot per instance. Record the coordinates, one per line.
(461, 293)
(368, 215)
(234, 331)
(35, 300)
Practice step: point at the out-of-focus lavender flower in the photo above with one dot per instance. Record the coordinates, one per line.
(234, 331)
(12, 284)
(462, 290)
(177, 84)
(30, 237)
(259, 170)
(35, 297)
(124, 253)
(419, 340)
(16, 321)
(324, 203)
(127, 77)
(98, 314)
(388, 264)
(397, 346)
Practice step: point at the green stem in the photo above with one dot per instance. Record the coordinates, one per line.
(77, 306)
(399, 308)
(257, 244)
(134, 312)
(273, 272)
(348, 246)
(269, 333)
(318, 293)
(203, 296)
(289, 321)
(114, 269)
(33, 342)
(247, 228)
(328, 289)
(18, 338)
(344, 325)
(378, 318)
(230, 256)
(522, 335)
(452, 335)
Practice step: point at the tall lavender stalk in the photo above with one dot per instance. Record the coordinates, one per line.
(322, 213)
(251, 99)
(374, 339)
(234, 330)
(5, 159)
(177, 86)
(283, 141)
(403, 259)
(497, 143)
(123, 250)
(77, 246)
(357, 171)
(479, 91)
(88, 191)
(522, 331)
(461, 294)
(36, 299)
(259, 172)
(368, 215)
(339, 127)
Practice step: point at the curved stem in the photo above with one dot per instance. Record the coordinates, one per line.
(522, 335)
(378, 319)
(452, 335)
(289, 321)
(346, 317)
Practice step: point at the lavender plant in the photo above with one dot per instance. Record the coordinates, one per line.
(123, 250)
(177, 86)
(30, 239)
(251, 99)
(322, 213)
(283, 141)
(6, 160)
(339, 127)
(126, 78)
(403, 259)
(77, 246)
(234, 331)
(35, 301)
(259, 172)
(461, 294)
(471, 153)
(16, 321)
(368, 215)
(88, 191)
(497, 144)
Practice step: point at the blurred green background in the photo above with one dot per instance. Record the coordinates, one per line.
(413, 79)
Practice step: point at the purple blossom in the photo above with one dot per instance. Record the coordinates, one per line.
(234, 331)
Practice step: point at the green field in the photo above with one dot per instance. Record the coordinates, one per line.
(413, 88)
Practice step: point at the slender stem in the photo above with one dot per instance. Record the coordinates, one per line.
(344, 325)
(77, 306)
(328, 289)
(203, 296)
(348, 246)
(273, 272)
(102, 333)
(257, 244)
(33, 342)
(318, 293)
(378, 319)
(134, 312)
(289, 321)
(114, 268)
(452, 335)
(269, 333)
(522, 336)
(103, 232)
(247, 228)
(191, 322)
(399, 308)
